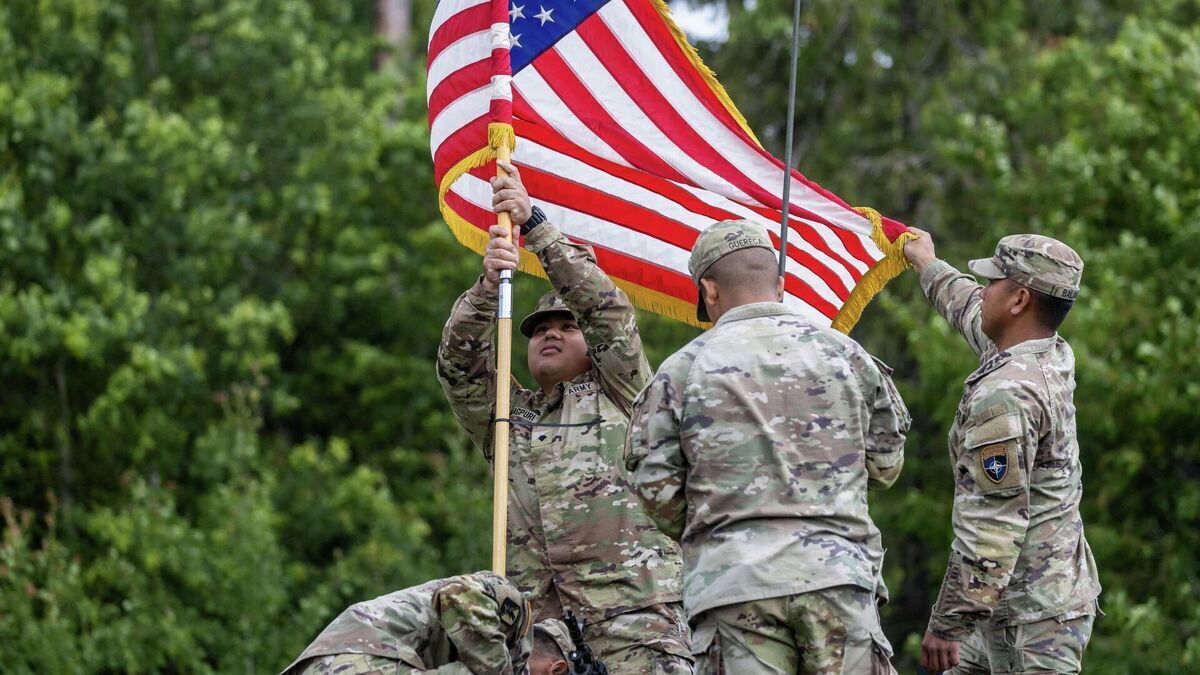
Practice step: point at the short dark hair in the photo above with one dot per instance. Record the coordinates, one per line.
(544, 644)
(1051, 311)
(753, 268)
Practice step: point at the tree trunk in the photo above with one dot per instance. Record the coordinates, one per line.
(393, 21)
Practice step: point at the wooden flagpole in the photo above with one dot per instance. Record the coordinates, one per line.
(787, 151)
(501, 428)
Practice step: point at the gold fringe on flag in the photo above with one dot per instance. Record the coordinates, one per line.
(893, 263)
(890, 266)
(710, 78)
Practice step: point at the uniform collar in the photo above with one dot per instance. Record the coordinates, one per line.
(1020, 349)
(754, 310)
(546, 401)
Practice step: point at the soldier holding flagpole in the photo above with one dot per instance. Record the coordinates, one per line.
(577, 537)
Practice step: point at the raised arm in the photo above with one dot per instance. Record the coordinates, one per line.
(956, 296)
(465, 365)
(465, 362)
(605, 314)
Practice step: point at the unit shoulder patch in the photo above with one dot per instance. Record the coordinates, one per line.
(510, 612)
(995, 460)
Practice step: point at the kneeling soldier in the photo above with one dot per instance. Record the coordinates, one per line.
(474, 624)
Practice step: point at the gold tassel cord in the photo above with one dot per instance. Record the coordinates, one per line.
(476, 239)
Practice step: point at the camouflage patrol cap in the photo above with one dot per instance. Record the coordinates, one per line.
(718, 240)
(547, 305)
(1041, 263)
(556, 630)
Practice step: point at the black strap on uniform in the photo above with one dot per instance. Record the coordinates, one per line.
(581, 659)
(527, 423)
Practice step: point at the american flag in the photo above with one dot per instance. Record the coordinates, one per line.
(628, 143)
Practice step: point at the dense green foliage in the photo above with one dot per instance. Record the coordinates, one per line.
(223, 277)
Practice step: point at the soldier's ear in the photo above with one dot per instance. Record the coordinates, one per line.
(709, 291)
(779, 289)
(1022, 301)
(560, 667)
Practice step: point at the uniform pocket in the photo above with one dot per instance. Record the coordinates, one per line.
(1013, 658)
(881, 660)
(706, 650)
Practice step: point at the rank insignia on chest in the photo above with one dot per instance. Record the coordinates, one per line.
(994, 459)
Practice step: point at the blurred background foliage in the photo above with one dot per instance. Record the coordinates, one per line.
(223, 278)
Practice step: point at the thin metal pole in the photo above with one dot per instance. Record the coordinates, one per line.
(787, 152)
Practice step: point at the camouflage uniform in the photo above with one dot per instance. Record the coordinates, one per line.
(1021, 584)
(470, 624)
(577, 536)
(754, 446)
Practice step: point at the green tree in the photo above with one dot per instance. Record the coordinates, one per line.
(223, 279)
(219, 249)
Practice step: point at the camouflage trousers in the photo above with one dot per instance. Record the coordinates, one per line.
(1053, 645)
(832, 631)
(366, 664)
(647, 641)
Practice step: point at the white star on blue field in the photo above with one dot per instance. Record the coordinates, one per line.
(535, 32)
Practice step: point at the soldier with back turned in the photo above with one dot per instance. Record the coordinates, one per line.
(755, 446)
(465, 625)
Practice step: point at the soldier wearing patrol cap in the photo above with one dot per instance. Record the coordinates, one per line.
(577, 537)
(474, 623)
(755, 446)
(552, 647)
(1021, 586)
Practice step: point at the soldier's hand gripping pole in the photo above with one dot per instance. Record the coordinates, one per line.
(503, 382)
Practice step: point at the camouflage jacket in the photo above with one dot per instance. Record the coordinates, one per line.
(755, 446)
(465, 621)
(577, 536)
(1019, 553)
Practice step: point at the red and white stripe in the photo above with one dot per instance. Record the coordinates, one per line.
(626, 147)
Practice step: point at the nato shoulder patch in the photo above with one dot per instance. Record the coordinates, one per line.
(995, 460)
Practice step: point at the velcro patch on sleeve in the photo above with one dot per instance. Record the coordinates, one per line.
(993, 429)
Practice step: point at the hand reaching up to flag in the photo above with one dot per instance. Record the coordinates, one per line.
(919, 251)
(508, 194)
